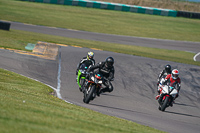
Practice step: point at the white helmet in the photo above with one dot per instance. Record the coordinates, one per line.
(90, 55)
(175, 74)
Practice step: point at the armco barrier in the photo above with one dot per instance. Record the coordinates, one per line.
(188, 14)
(111, 6)
(4, 25)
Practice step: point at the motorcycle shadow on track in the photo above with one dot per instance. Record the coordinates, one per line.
(181, 104)
(109, 94)
(116, 108)
(182, 114)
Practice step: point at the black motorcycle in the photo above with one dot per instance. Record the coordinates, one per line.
(92, 86)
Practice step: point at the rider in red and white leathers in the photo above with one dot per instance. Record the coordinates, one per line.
(172, 80)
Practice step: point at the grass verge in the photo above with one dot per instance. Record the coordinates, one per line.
(17, 39)
(107, 21)
(27, 106)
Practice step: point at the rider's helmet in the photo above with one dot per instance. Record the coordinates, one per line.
(90, 55)
(168, 68)
(109, 62)
(175, 74)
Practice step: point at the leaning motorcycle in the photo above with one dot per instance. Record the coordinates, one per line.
(81, 76)
(167, 95)
(92, 86)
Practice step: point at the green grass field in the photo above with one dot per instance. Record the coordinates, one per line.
(102, 21)
(19, 39)
(111, 22)
(27, 106)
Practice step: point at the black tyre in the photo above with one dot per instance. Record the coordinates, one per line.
(164, 105)
(89, 95)
(159, 108)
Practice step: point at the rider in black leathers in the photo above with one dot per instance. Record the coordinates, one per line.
(164, 73)
(106, 68)
(89, 60)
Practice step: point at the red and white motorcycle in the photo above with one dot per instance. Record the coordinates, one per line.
(167, 95)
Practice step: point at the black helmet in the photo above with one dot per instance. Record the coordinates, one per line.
(168, 68)
(109, 62)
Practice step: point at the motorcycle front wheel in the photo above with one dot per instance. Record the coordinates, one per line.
(88, 95)
(164, 104)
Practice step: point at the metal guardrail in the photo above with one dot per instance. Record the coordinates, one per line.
(122, 7)
(112, 6)
(185, 14)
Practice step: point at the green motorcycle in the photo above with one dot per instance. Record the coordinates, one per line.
(81, 76)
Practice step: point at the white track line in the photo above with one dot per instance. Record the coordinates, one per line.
(196, 56)
(58, 78)
(42, 83)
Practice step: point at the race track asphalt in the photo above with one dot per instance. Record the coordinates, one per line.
(134, 92)
(138, 41)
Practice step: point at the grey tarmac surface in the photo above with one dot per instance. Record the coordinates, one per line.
(134, 92)
(33, 67)
(146, 42)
